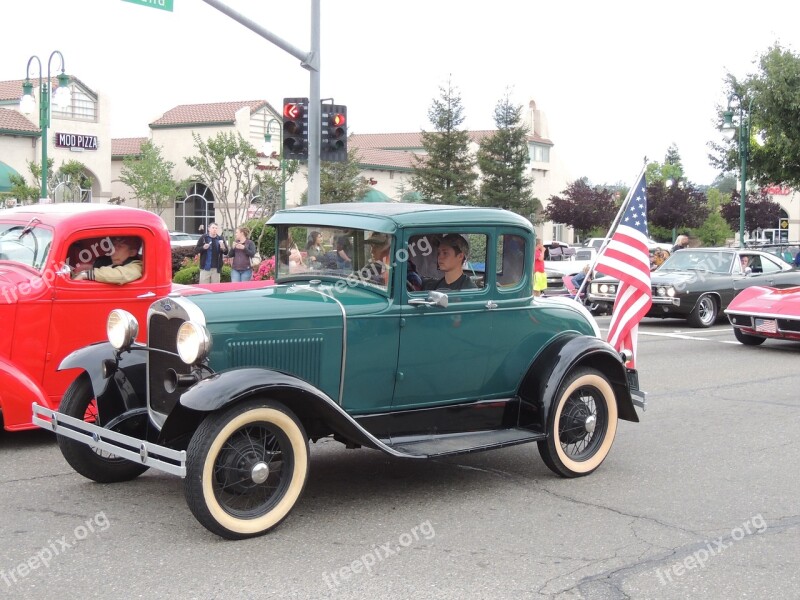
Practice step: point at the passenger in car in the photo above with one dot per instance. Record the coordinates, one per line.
(452, 251)
(122, 265)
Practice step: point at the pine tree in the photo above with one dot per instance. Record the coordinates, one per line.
(446, 173)
(503, 161)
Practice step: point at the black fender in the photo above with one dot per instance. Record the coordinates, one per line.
(124, 390)
(552, 365)
(319, 414)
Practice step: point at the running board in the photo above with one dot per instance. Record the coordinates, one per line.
(460, 443)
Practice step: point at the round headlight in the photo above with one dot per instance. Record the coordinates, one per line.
(604, 288)
(661, 291)
(193, 342)
(121, 328)
(612, 289)
(671, 292)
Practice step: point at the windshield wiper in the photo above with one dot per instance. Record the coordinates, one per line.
(29, 227)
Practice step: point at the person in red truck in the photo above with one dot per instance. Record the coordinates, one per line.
(122, 265)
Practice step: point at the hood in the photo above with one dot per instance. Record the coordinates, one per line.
(679, 279)
(768, 301)
(287, 302)
(20, 283)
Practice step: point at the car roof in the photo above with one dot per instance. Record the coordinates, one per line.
(82, 214)
(387, 217)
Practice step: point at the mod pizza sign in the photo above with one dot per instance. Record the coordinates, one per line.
(76, 141)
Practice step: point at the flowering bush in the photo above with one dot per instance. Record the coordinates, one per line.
(266, 270)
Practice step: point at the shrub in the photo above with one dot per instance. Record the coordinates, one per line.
(191, 274)
(266, 270)
(180, 256)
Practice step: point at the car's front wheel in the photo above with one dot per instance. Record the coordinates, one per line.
(581, 425)
(704, 313)
(246, 468)
(746, 339)
(93, 463)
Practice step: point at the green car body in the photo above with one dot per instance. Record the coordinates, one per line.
(348, 346)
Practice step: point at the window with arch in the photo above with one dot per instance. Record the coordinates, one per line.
(195, 210)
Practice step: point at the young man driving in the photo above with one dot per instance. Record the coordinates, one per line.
(452, 250)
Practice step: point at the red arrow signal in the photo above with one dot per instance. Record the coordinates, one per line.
(293, 111)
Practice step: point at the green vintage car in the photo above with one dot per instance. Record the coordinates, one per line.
(358, 341)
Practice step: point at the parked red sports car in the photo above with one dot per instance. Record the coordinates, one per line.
(758, 313)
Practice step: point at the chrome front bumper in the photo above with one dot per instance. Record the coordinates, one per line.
(133, 449)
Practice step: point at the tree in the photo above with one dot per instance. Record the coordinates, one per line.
(446, 173)
(759, 212)
(583, 208)
(714, 231)
(70, 177)
(503, 161)
(340, 181)
(150, 178)
(775, 95)
(229, 165)
(676, 206)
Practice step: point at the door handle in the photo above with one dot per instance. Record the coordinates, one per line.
(146, 295)
(491, 305)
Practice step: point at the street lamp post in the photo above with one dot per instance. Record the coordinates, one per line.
(729, 130)
(268, 151)
(27, 103)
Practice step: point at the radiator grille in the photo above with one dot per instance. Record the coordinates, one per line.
(162, 332)
(789, 325)
(300, 356)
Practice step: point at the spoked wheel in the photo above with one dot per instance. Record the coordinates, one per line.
(747, 339)
(93, 463)
(246, 468)
(704, 313)
(581, 425)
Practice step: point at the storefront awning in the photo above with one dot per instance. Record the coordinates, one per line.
(5, 179)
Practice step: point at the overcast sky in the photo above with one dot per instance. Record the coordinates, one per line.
(618, 81)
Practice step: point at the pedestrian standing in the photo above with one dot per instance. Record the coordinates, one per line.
(539, 276)
(212, 249)
(242, 252)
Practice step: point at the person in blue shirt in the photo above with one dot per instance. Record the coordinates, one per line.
(212, 249)
(796, 262)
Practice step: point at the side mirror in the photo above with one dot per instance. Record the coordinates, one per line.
(64, 271)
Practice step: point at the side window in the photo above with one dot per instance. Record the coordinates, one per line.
(106, 259)
(510, 260)
(447, 261)
(767, 266)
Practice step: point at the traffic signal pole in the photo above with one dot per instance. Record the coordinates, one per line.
(308, 60)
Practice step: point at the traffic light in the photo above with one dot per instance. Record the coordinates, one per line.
(333, 145)
(295, 128)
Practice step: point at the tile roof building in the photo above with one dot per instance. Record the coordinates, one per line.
(81, 132)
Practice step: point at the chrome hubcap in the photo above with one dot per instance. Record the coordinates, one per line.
(590, 423)
(259, 472)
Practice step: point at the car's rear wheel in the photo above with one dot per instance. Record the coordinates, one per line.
(246, 468)
(704, 313)
(581, 425)
(93, 463)
(746, 339)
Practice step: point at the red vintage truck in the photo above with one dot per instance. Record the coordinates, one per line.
(45, 314)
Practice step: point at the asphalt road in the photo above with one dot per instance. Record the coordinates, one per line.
(700, 499)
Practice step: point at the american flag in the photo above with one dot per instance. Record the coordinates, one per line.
(627, 258)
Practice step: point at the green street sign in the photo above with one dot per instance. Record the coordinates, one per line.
(162, 4)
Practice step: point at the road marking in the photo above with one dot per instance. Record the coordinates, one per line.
(677, 336)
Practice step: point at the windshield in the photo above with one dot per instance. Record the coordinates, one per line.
(699, 260)
(26, 244)
(355, 256)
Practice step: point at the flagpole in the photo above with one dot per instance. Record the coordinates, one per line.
(613, 228)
